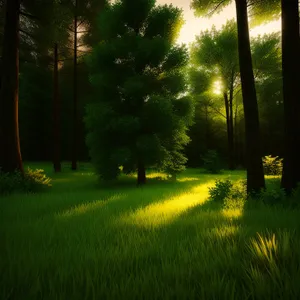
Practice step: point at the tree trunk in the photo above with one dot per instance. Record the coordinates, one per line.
(75, 100)
(10, 152)
(255, 174)
(236, 137)
(229, 132)
(231, 138)
(207, 130)
(141, 180)
(56, 115)
(291, 93)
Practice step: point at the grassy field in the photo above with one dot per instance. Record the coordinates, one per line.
(161, 241)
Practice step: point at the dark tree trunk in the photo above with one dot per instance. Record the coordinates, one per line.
(291, 93)
(56, 115)
(207, 130)
(10, 152)
(255, 174)
(231, 139)
(75, 99)
(229, 131)
(236, 138)
(141, 180)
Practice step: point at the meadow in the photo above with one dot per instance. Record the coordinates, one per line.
(166, 240)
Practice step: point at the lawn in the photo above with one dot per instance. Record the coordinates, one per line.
(161, 241)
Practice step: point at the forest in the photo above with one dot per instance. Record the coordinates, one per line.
(133, 166)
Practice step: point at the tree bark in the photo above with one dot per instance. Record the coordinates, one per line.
(10, 152)
(141, 180)
(75, 99)
(56, 115)
(291, 93)
(232, 151)
(229, 131)
(255, 174)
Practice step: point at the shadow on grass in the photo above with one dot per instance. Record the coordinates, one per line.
(199, 254)
(80, 193)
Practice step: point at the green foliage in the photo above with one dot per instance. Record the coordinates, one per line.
(139, 110)
(264, 11)
(266, 55)
(236, 198)
(208, 7)
(273, 196)
(221, 190)
(33, 181)
(232, 195)
(272, 165)
(212, 162)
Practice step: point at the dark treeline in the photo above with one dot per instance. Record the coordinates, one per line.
(245, 91)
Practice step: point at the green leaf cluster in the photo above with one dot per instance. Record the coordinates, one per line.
(140, 110)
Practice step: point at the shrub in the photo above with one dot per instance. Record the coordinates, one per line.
(272, 165)
(237, 195)
(212, 162)
(273, 196)
(221, 190)
(32, 181)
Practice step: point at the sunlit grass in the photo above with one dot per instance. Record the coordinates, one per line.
(232, 213)
(188, 179)
(162, 241)
(155, 215)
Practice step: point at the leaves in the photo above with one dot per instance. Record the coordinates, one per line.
(138, 76)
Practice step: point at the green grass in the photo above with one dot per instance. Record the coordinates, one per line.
(161, 241)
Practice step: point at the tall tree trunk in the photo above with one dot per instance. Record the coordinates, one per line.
(255, 173)
(56, 115)
(10, 152)
(229, 131)
(207, 130)
(236, 137)
(75, 99)
(232, 157)
(291, 93)
(141, 180)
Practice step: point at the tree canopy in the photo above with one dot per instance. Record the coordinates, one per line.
(140, 113)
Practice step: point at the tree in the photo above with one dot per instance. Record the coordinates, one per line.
(83, 18)
(140, 113)
(216, 51)
(53, 48)
(10, 153)
(255, 175)
(291, 93)
(266, 54)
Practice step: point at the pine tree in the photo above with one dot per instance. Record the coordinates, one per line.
(140, 114)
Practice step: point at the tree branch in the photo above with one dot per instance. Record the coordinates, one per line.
(215, 9)
(28, 15)
(27, 33)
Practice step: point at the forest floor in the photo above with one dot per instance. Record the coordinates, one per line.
(161, 241)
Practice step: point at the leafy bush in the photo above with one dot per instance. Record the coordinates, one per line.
(212, 162)
(272, 165)
(237, 195)
(221, 190)
(273, 196)
(233, 195)
(32, 181)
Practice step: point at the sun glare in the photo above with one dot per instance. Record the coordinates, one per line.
(217, 87)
